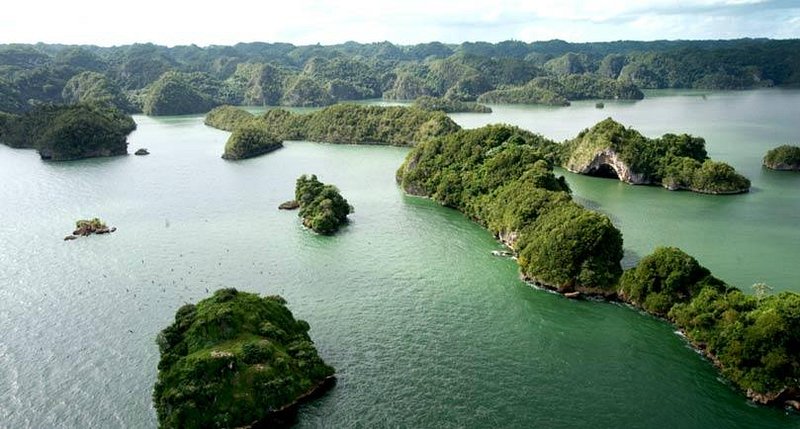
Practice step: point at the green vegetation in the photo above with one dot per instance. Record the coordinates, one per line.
(63, 133)
(784, 157)
(248, 141)
(348, 124)
(179, 94)
(232, 360)
(666, 277)
(675, 161)
(502, 177)
(754, 340)
(557, 91)
(269, 74)
(322, 208)
(95, 88)
(94, 223)
(86, 227)
(228, 118)
(449, 106)
(528, 94)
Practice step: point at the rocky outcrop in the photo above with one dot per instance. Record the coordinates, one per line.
(289, 205)
(607, 163)
(141, 151)
(85, 227)
(780, 166)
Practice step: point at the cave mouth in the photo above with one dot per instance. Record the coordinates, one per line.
(605, 171)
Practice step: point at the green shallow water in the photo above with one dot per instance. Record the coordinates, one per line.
(424, 326)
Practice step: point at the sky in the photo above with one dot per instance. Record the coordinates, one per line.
(226, 22)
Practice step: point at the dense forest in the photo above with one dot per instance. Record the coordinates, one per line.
(322, 207)
(784, 157)
(67, 132)
(501, 176)
(342, 123)
(248, 141)
(159, 80)
(235, 359)
(673, 161)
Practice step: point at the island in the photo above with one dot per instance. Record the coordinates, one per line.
(63, 133)
(559, 90)
(449, 105)
(248, 141)
(236, 359)
(347, 124)
(86, 227)
(322, 207)
(752, 339)
(501, 177)
(227, 118)
(609, 149)
(784, 158)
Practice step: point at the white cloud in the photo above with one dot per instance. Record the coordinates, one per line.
(408, 21)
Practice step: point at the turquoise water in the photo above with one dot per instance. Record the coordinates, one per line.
(424, 326)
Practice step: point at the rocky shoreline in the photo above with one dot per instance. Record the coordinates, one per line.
(286, 416)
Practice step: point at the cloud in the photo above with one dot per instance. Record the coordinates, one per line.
(404, 22)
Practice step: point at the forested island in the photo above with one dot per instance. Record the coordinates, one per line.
(785, 157)
(159, 80)
(68, 132)
(609, 149)
(447, 105)
(501, 177)
(250, 140)
(322, 207)
(236, 360)
(560, 90)
(343, 123)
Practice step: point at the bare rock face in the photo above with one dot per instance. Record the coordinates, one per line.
(607, 163)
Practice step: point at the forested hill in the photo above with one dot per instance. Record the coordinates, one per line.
(187, 79)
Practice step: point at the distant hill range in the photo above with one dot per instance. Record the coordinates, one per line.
(159, 80)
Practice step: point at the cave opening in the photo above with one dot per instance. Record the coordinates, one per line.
(605, 171)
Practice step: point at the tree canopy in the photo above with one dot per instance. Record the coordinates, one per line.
(784, 157)
(248, 141)
(61, 133)
(232, 360)
(163, 80)
(322, 207)
(502, 177)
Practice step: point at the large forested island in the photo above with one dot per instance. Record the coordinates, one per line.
(501, 176)
(674, 161)
(343, 123)
(158, 80)
(67, 132)
(233, 360)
